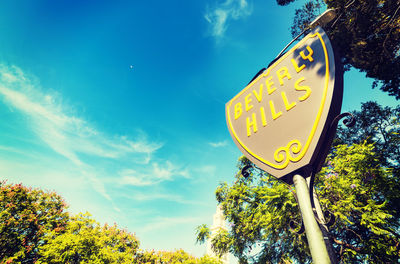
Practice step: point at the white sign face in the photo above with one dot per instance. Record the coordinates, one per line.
(279, 120)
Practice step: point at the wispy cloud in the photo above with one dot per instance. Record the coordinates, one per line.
(219, 16)
(68, 135)
(158, 173)
(206, 169)
(65, 133)
(140, 196)
(218, 144)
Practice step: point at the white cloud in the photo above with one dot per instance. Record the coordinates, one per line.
(65, 133)
(156, 174)
(206, 170)
(68, 135)
(131, 177)
(220, 15)
(218, 144)
(138, 196)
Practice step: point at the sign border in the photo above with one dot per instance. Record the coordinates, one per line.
(294, 144)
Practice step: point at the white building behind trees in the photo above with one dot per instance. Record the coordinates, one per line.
(218, 223)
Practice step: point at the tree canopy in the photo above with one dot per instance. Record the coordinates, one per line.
(178, 256)
(85, 241)
(359, 184)
(366, 34)
(26, 215)
(35, 227)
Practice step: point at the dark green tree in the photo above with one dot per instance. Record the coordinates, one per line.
(366, 34)
(358, 184)
(26, 216)
(379, 125)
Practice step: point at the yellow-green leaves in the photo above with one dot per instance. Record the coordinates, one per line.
(350, 186)
(259, 209)
(88, 242)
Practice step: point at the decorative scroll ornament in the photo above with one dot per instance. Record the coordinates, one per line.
(284, 154)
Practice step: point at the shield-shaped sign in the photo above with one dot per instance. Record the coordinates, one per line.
(280, 119)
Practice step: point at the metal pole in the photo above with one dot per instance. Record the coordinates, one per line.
(315, 239)
(324, 229)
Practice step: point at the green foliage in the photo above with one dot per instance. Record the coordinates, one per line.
(84, 241)
(305, 15)
(350, 186)
(378, 125)
(366, 34)
(175, 257)
(284, 2)
(359, 184)
(202, 233)
(220, 242)
(208, 260)
(258, 210)
(35, 228)
(26, 216)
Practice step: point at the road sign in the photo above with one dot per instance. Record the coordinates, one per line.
(280, 119)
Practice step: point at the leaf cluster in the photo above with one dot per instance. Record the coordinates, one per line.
(174, 257)
(354, 186)
(359, 184)
(85, 241)
(258, 209)
(35, 227)
(366, 34)
(26, 215)
(378, 125)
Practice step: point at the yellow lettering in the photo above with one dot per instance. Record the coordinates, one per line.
(305, 88)
(286, 102)
(250, 124)
(281, 73)
(274, 114)
(247, 101)
(269, 84)
(263, 119)
(309, 56)
(238, 110)
(259, 95)
(296, 66)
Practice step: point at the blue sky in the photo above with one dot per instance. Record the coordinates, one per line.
(119, 105)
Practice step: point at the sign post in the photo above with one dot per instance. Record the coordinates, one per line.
(314, 235)
(283, 120)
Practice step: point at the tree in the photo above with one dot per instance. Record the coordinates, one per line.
(174, 257)
(258, 209)
(35, 228)
(26, 216)
(366, 34)
(378, 125)
(84, 241)
(358, 184)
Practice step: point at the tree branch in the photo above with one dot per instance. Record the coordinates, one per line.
(358, 249)
(352, 231)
